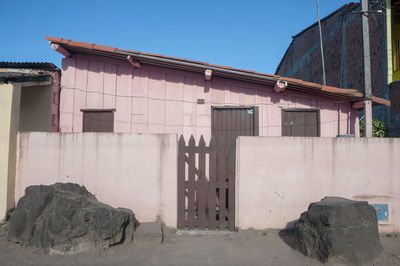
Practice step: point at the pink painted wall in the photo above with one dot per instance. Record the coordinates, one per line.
(161, 100)
(276, 186)
(138, 171)
(134, 171)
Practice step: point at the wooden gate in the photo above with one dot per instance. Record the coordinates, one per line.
(206, 185)
(206, 174)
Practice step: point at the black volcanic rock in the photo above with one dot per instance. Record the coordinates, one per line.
(338, 227)
(65, 217)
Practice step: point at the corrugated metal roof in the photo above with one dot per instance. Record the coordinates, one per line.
(30, 65)
(76, 47)
(6, 77)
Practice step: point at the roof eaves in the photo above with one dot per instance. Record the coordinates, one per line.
(224, 71)
(7, 77)
(381, 101)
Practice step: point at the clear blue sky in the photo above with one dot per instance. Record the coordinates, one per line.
(244, 34)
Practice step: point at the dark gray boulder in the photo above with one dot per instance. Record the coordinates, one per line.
(65, 217)
(338, 227)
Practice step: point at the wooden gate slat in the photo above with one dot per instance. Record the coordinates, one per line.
(191, 187)
(202, 182)
(212, 186)
(221, 166)
(181, 183)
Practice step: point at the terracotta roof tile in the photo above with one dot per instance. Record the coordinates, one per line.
(65, 41)
(104, 48)
(245, 70)
(311, 84)
(81, 44)
(129, 51)
(159, 55)
(226, 67)
(177, 58)
(196, 61)
(380, 101)
(54, 39)
(299, 81)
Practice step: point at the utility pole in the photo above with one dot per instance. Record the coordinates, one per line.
(322, 47)
(367, 70)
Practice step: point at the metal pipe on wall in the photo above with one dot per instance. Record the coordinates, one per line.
(322, 48)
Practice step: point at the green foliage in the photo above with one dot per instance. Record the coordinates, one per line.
(379, 129)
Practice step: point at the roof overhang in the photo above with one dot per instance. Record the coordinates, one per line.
(28, 66)
(75, 47)
(26, 79)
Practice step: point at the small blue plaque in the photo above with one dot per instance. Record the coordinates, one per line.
(382, 212)
(250, 111)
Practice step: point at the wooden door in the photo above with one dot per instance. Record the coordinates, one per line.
(231, 122)
(227, 124)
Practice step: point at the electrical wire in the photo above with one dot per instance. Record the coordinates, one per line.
(188, 101)
(313, 102)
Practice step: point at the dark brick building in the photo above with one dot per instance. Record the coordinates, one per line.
(343, 54)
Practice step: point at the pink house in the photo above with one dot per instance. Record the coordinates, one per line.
(110, 89)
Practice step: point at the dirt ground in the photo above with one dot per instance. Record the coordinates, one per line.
(248, 247)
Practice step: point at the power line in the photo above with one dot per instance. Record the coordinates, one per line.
(192, 125)
(209, 102)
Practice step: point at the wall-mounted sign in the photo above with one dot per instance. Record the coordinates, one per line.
(382, 212)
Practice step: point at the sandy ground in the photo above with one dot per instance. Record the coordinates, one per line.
(240, 248)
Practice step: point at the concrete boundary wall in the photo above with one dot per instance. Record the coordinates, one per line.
(278, 177)
(135, 171)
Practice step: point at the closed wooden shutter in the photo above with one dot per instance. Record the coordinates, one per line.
(302, 123)
(98, 121)
(230, 122)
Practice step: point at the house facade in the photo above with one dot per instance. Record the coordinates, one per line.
(343, 55)
(110, 89)
(29, 94)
